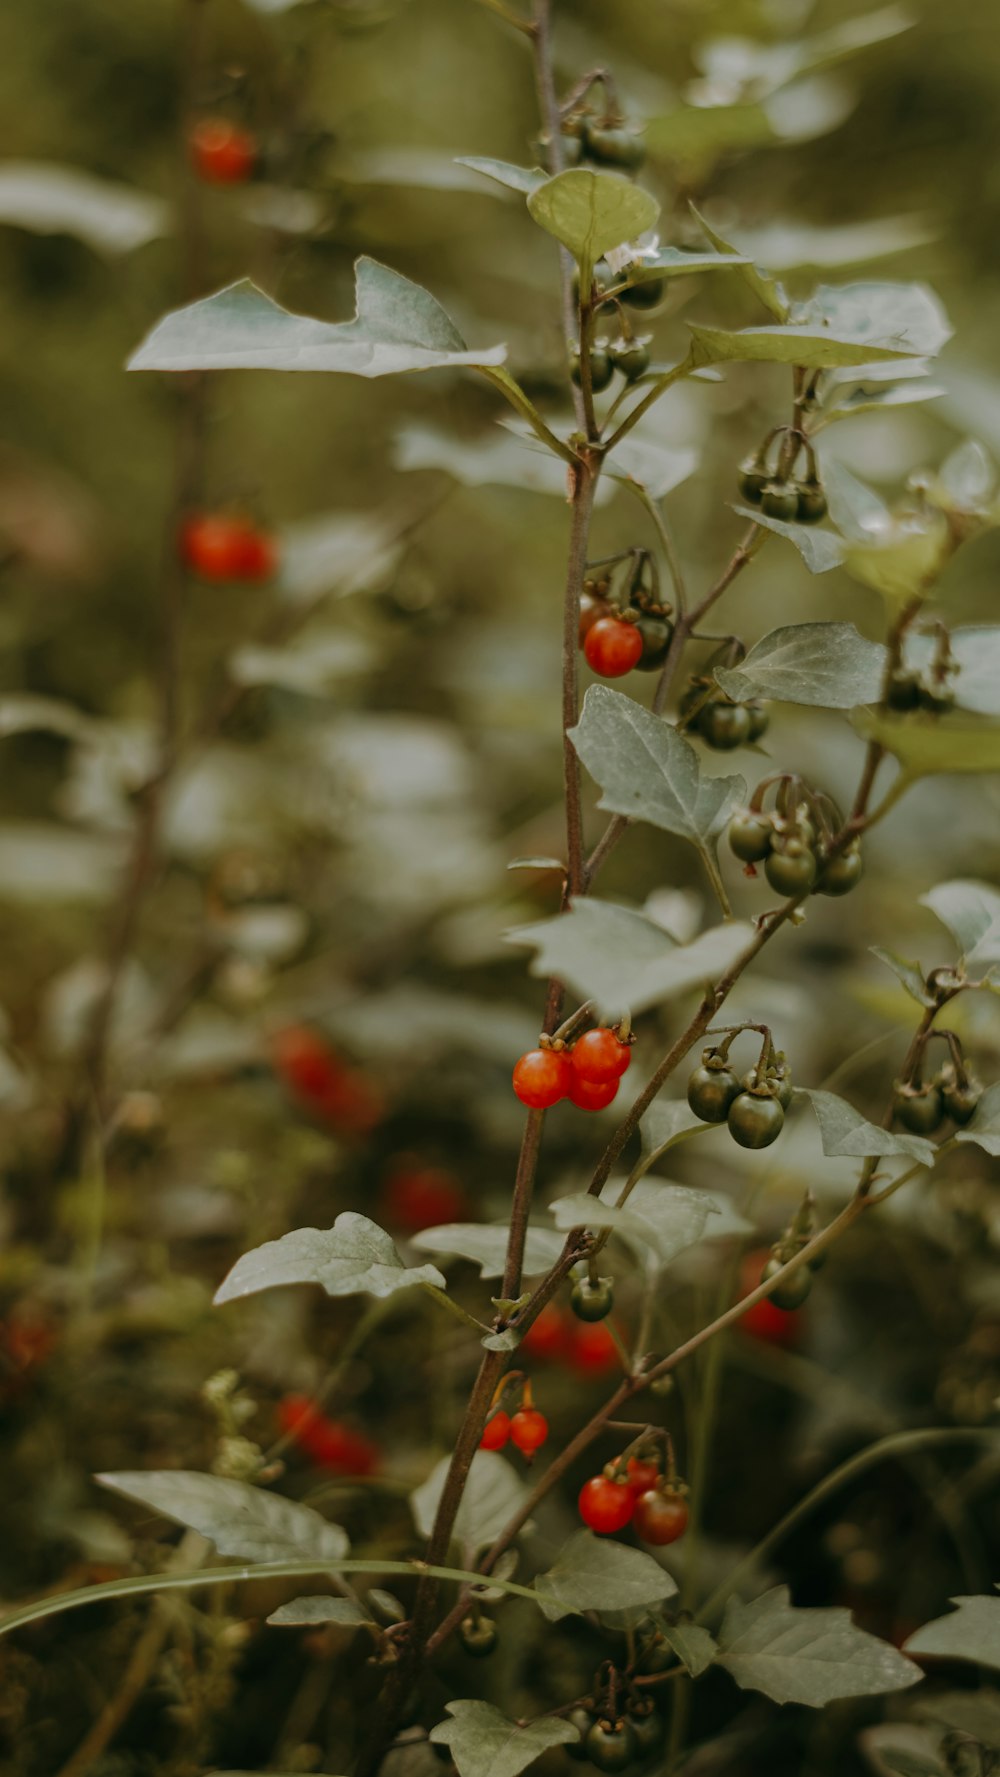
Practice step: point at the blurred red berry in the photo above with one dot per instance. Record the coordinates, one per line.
(550, 1336)
(223, 152)
(592, 1350)
(223, 546)
(328, 1442)
(416, 1197)
(773, 1326)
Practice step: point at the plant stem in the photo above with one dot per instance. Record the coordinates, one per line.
(583, 506)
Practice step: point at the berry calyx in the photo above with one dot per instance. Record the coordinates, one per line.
(222, 152)
(542, 1077)
(755, 1120)
(612, 648)
(593, 1095)
(661, 1516)
(529, 1430)
(605, 1505)
(496, 1431)
(600, 1055)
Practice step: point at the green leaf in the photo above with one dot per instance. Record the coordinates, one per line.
(425, 169)
(764, 287)
(300, 1612)
(695, 137)
(864, 399)
(926, 749)
(592, 212)
(621, 959)
(658, 1221)
(970, 1632)
(910, 974)
(825, 664)
(844, 1131)
(682, 262)
(354, 1256)
(855, 508)
(653, 466)
(764, 67)
(339, 553)
(971, 912)
(971, 1712)
(786, 246)
(591, 1574)
(24, 713)
(397, 327)
(486, 1245)
(647, 770)
(907, 1761)
(311, 666)
(483, 1743)
(816, 348)
(908, 317)
(903, 561)
(820, 550)
(503, 172)
(50, 199)
(984, 1130)
(668, 1120)
(493, 1493)
(694, 1646)
(807, 1656)
(508, 459)
(976, 651)
(246, 1522)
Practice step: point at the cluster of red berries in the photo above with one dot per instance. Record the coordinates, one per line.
(588, 1073)
(561, 1338)
(227, 546)
(527, 1429)
(327, 1442)
(222, 152)
(633, 634)
(636, 1494)
(323, 1083)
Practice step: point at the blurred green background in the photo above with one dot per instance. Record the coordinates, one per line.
(335, 853)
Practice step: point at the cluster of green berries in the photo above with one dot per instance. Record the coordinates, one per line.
(602, 137)
(614, 1741)
(588, 1072)
(923, 1106)
(625, 350)
(625, 628)
(774, 485)
(794, 842)
(720, 721)
(752, 1107)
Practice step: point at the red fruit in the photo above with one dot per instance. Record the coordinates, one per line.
(660, 1518)
(606, 1506)
(593, 1095)
(773, 1326)
(328, 1442)
(416, 1197)
(306, 1062)
(351, 1104)
(543, 1077)
(599, 1055)
(223, 153)
(612, 648)
(223, 546)
(496, 1431)
(550, 1336)
(529, 1430)
(593, 1351)
(641, 1473)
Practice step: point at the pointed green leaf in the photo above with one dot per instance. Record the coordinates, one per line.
(647, 770)
(503, 172)
(984, 1130)
(493, 1493)
(908, 317)
(486, 1245)
(300, 1612)
(694, 1646)
(354, 1256)
(52, 199)
(765, 288)
(855, 508)
(658, 1221)
(844, 1131)
(970, 1632)
(825, 664)
(592, 1574)
(807, 1656)
(621, 959)
(246, 1522)
(681, 262)
(668, 1120)
(820, 550)
(592, 212)
(817, 348)
(910, 974)
(397, 327)
(971, 912)
(483, 1743)
(927, 749)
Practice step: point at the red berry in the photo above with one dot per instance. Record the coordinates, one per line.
(306, 1062)
(550, 1336)
(599, 1055)
(223, 153)
(612, 648)
(543, 1077)
(593, 1351)
(660, 1518)
(593, 1095)
(606, 1506)
(496, 1431)
(328, 1442)
(529, 1430)
(416, 1197)
(773, 1326)
(224, 546)
(351, 1104)
(641, 1473)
